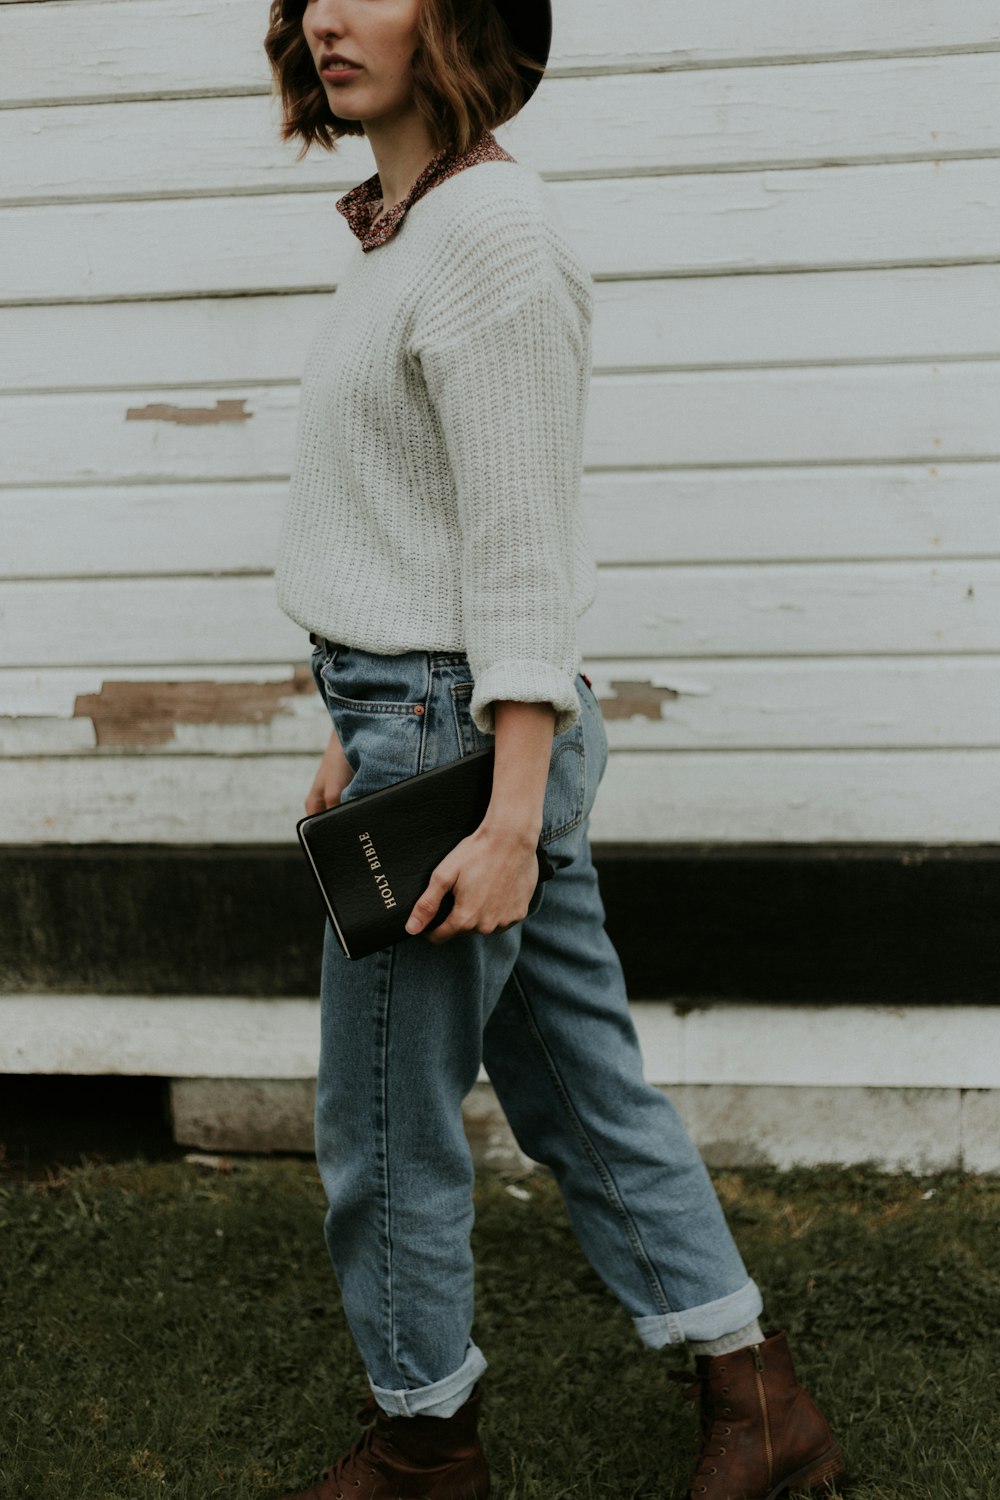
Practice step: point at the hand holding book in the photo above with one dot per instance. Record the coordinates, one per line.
(374, 856)
(485, 884)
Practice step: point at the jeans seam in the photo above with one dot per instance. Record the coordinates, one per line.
(359, 706)
(603, 1171)
(425, 719)
(466, 741)
(382, 1148)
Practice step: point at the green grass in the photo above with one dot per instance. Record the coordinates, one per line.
(169, 1332)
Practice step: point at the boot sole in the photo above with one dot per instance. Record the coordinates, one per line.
(473, 1494)
(819, 1473)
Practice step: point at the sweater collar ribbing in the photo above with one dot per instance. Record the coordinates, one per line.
(361, 204)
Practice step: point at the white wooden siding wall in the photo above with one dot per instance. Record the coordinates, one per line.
(792, 212)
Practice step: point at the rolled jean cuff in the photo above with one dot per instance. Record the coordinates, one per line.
(442, 1399)
(709, 1321)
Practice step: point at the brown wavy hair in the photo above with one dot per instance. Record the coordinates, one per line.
(468, 75)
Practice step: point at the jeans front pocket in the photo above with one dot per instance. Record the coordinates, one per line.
(378, 705)
(373, 684)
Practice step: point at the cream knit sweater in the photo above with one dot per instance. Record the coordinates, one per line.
(435, 497)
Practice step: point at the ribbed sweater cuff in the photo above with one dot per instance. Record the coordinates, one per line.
(525, 682)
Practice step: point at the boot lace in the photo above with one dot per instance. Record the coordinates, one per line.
(713, 1429)
(359, 1453)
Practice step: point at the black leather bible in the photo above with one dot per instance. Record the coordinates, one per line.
(373, 856)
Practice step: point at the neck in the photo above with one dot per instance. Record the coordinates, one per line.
(402, 147)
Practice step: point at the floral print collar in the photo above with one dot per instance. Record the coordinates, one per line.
(362, 203)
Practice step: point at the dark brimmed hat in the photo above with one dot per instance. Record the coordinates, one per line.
(530, 24)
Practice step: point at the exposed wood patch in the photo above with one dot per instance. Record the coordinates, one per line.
(637, 699)
(127, 715)
(190, 416)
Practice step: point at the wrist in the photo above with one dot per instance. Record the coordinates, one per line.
(511, 830)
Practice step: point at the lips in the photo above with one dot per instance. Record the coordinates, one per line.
(333, 62)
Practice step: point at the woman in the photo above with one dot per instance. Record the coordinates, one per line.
(433, 549)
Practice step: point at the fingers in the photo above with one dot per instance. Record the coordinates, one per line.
(459, 922)
(321, 795)
(451, 927)
(425, 908)
(316, 802)
(483, 900)
(332, 777)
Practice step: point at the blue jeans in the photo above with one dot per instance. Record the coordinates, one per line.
(543, 1005)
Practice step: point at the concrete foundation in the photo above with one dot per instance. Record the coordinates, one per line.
(243, 1114)
(900, 1129)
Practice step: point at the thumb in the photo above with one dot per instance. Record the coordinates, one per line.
(426, 907)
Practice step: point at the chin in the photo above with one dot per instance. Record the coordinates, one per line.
(339, 112)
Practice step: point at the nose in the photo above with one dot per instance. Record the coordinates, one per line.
(323, 18)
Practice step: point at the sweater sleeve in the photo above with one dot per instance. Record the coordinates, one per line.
(508, 374)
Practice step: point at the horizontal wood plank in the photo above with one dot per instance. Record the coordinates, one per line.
(853, 415)
(769, 1045)
(687, 796)
(734, 611)
(931, 511)
(50, 693)
(101, 49)
(861, 414)
(935, 510)
(156, 528)
(174, 1036)
(788, 609)
(211, 1036)
(151, 435)
(717, 222)
(857, 111)
(910, 313)
(868, 703)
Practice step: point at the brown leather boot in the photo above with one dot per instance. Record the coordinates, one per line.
(762, 1434)
(409, 1458)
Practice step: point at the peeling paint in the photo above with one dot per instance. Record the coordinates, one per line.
(637, 700)
(129, 715)
(190, 416)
